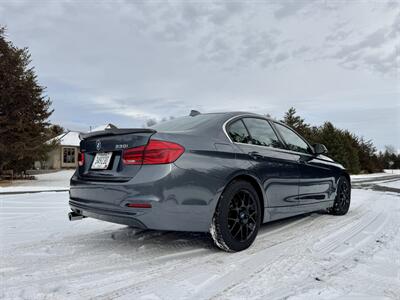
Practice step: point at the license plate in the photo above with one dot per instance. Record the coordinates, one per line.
(101, 160)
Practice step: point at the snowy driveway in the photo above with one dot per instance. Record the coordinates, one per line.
(44, 256)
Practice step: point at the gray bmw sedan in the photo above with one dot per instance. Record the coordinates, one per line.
(223, 173)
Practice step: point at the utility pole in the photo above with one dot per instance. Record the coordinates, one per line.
(391, 163)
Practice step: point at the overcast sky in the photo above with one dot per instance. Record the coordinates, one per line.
(126, 61)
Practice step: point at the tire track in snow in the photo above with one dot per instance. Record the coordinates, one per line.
(257, 263)
(327, 258)
(113, 264)
(251, 261)
(343, 259)
(143, 285)
(329, 243)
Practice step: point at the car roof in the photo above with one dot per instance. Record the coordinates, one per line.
(218, 120)
(232, 114)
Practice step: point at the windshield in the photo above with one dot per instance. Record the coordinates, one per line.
(184, 123)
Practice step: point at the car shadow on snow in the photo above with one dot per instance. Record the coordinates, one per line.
(148, 241)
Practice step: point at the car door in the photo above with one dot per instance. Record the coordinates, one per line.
(277, 170)
(316, 182)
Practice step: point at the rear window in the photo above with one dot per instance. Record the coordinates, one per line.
(184, 123)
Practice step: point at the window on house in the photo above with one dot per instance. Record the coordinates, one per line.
(69, 155)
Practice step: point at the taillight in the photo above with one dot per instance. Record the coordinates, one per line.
(161, 152)
(133, 156)
(139, 205)
(154, 153)
(81, 159)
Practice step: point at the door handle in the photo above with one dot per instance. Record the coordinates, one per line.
(255, 155)
(303, 161)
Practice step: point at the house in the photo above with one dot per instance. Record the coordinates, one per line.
(65, 155)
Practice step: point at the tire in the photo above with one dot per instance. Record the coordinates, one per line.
(341, 204)
(237, 217)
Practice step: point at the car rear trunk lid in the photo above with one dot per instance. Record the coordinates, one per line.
(108, 145)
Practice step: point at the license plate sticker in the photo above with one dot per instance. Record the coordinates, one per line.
(101, 161)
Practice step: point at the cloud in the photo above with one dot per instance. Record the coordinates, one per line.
(280, 57)
(225, 11)
(127, 61)
(300, 51)
(259, 43)
(373, 40)
(376, 51)
(172, 32)
(338, 36)
(217, 50)
(395, 29)
(289, 8)
(384, 64)
(141, 109)
(393, 4)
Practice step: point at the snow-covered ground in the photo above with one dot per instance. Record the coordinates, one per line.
(392, 171)
(391, 184)
(383, 175)
(317, 256)
(44, 182)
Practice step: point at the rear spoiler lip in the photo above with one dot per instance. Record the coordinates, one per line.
(115, 131)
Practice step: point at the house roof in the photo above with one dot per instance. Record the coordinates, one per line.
(69, 138)
(103, 127)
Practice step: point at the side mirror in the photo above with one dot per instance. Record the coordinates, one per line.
(320, 149)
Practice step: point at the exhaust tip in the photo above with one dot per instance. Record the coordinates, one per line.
(73, 216)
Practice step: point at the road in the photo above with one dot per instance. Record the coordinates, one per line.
(44, 256)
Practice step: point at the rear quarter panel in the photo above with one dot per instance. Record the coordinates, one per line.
(210, 163)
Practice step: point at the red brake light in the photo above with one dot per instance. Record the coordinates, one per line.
(139, 205)
(154, 153)
(81, 159)
(133, 156)
(161, 152)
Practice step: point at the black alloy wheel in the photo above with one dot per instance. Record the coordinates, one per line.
(237, 217)
(343, 197)
(242, 216)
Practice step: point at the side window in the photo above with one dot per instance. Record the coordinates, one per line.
(261, 133)
(292, 139)
(238, 132)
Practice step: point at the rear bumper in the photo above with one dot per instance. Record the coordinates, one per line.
(106, 215)
(181, 200)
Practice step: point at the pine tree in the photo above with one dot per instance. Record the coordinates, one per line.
(290, 118)
(354, 153)
(24, 110)
(368, 159)
(55, 130)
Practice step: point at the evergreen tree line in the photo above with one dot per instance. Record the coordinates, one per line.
(355, 153)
